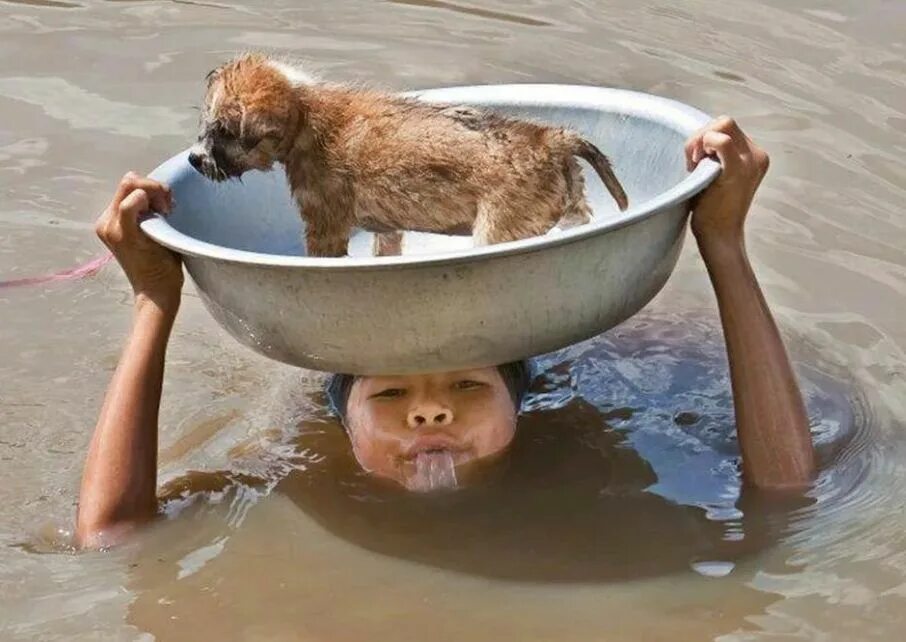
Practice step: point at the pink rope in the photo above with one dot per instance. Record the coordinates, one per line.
(81, 271)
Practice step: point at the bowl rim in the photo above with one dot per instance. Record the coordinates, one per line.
(667, 112)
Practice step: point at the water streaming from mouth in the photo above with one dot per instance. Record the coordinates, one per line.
(434, 470)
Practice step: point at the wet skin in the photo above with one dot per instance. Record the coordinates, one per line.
(392, 420)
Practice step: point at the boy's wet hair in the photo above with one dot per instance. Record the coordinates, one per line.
(515, 374)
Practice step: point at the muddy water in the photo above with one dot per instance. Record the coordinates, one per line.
(630, 525)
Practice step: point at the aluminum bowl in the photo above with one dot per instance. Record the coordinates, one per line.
(444, 304)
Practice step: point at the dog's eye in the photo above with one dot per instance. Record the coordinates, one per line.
(249, 142)
(222, 133)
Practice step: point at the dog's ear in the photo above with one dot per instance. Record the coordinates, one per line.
(256, 126)
(213, 74)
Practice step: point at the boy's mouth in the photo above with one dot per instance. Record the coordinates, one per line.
(434, 443)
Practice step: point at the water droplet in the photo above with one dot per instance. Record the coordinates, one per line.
(713, 568)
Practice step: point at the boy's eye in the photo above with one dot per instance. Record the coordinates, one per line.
(468, 384)
(389, 393)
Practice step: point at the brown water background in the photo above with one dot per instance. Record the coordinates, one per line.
(90, 89)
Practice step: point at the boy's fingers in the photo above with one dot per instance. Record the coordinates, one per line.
(125, 186)
(160, 193)
(693, 150)
(718, 144)
(719, 137)
(726, 125)
(159, 198)
(135, 204)
(687, 149)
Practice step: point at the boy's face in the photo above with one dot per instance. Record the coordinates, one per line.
(402, 426)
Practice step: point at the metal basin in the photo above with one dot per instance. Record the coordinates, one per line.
(444, 304)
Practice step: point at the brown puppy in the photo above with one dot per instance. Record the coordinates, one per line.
(356, 157)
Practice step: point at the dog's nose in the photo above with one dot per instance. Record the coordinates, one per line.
(195, 160)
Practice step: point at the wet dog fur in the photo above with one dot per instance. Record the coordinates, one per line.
(357, 157)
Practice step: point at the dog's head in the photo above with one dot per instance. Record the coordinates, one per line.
(250, 117)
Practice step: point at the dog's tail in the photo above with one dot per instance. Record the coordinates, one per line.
(587, 151)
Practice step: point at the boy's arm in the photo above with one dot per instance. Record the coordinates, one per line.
(771, 421)
(119, 483)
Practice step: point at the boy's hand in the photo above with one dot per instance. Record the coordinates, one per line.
(720, 211)
(154, 271)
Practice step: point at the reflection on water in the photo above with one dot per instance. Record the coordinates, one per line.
(475, 11)
(85, 110)
(625, 466)
(57, 4)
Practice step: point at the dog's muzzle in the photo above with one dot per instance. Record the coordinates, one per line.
(196, 160)
(207, 165)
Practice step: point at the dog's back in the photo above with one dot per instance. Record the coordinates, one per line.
(425, 167)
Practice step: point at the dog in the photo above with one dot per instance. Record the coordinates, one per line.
(357, 157)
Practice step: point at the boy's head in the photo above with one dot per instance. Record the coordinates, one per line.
(398, 424)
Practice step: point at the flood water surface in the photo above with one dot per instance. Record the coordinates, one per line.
(618, 514)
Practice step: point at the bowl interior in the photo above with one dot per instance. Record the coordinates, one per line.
(259, 215)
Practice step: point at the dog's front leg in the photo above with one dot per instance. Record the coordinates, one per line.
(326, 238)
(326, 232)
(334, 244)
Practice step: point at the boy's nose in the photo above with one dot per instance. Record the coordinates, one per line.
(429, 414)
